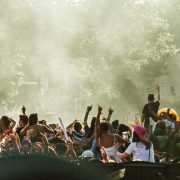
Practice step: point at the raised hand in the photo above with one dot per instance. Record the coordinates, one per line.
(168, 111)
(111, 110)
(100, 109)
(158, 87)
(104, 119)
(23, 110)
(89, 108)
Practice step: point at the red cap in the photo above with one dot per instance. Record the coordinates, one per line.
(140, 131)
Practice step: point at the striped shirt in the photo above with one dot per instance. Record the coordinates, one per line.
(77, 136)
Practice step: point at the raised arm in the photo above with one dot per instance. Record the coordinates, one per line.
(24, 130)
(23, 110)
(97, 124)
(109, 115)
(70, 126)
(89, 108)
(128, 121)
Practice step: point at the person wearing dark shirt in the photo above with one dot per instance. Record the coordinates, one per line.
(23, 121)
(150, 109)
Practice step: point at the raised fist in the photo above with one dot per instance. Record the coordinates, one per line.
(100, 109)
(111, 110)
(89, 108)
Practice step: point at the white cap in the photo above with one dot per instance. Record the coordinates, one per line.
(87, 153)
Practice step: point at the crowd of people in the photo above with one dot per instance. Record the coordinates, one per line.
(153, 137)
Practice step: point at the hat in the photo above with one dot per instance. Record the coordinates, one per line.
(87, 154)
(140, 131)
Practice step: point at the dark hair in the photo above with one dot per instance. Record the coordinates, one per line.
(77, 126)
(137, 139)
(160, 129)
(104, 127)
(6, 120)
(122, 128)
(61, 149)
(33, 119)
(53, 126)
(24, 119)
(115, 124)
(151, 97)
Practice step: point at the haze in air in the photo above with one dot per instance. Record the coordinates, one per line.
(58, 57)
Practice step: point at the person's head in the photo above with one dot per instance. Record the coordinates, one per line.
(87, 154)
(163, 115)
(104, 127)
(140, 135)
(6, 121)
(160, 129)
(33, 119)
(122, 128)
(115, 124)
(151, 97)
(23, 120)
(78, 126)
(61, 149)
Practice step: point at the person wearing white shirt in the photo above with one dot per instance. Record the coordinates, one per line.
(140, 148)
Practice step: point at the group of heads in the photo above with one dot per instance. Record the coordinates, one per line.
(24, 119)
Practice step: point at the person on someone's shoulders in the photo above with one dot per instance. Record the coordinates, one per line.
(150, 109)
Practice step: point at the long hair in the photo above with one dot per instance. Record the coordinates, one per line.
(137, 139)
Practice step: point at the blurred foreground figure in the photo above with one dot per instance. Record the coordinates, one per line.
(36, 167)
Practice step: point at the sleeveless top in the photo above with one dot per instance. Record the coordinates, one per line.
(112, 151)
